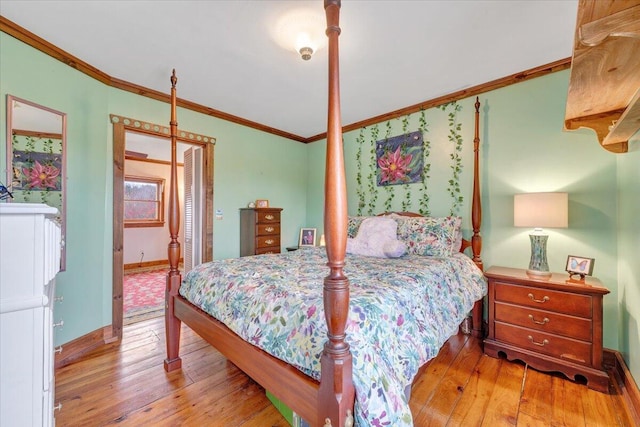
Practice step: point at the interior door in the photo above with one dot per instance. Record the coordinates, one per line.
(193, 207)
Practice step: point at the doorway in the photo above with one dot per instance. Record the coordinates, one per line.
(139, 142)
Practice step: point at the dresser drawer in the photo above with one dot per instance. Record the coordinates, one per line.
(540, 342)
(544, 299)
(269, 250)
(267, 217)
(267, 241)
(267, 229)
(545, 321)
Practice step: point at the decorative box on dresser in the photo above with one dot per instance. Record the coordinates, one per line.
(29, 260)
(552, 325)
(259, 231)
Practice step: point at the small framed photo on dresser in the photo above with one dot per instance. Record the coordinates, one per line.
(579, 266)
(262, 203)
(307, 237)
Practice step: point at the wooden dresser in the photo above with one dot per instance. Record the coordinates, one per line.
(259, 231)
(552, 325)
(29, 260)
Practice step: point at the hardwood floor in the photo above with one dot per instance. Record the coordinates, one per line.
(125, 384)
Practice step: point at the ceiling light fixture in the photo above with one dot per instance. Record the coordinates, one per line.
(306, 53)
(301, 29)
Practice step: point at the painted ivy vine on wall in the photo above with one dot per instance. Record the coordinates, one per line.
(359, 188)
(456, 161)
(367, 170)
(424, 199)
(371, 178)
(406, 202)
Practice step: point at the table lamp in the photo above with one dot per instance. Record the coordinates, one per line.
(538, 210)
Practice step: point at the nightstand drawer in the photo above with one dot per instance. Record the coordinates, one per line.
(540, 342)
(267, 217)
(267, 241)
(267, 229)
(545, 299)
(545, 321)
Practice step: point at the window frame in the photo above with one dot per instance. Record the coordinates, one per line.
(160, 186)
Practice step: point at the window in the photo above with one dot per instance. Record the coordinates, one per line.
(143, 201)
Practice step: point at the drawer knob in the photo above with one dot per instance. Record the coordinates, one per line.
(543, 300)
(269, 216)
(269, 241)
(269, 229)
(541, 344)
(538, 322)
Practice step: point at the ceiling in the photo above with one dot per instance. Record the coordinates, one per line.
(393, 54)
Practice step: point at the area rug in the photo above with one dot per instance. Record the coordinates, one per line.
(144, 295)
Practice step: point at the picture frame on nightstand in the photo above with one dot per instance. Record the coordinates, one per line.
(262, 203)
(579, 266)
(307, 237)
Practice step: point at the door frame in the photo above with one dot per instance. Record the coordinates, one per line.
(121, 125)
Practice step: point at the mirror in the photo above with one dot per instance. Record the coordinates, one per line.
(36, 146)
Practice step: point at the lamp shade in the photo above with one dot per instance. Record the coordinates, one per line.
(541, 210)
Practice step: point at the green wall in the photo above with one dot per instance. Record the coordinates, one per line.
(249, 164)
(524, 149)
(628, 258)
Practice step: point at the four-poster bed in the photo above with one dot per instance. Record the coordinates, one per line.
(324, 393)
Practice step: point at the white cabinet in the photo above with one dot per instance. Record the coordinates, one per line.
(29, 261)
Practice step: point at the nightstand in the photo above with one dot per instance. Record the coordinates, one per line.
(552, 325)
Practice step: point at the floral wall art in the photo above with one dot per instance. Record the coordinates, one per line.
(36, 170)
(399, 159)
(394, 171)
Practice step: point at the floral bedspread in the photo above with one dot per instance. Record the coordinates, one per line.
(401, 313)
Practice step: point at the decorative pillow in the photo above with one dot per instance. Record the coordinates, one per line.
(377, 238)
(457, 242)
(353, 224)
(430, 236)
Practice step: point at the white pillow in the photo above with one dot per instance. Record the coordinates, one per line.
(377, 238)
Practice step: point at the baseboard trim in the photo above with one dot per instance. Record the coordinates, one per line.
(146, 264)
(73, 350)
(618, 370)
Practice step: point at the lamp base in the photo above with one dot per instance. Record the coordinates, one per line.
(538, 266)
(536, 274)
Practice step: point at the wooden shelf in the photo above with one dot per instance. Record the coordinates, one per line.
(604, 87)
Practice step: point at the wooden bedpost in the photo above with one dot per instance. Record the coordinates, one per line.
(336, 394)
(476, 220)
(476, 209)
(171, 322)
